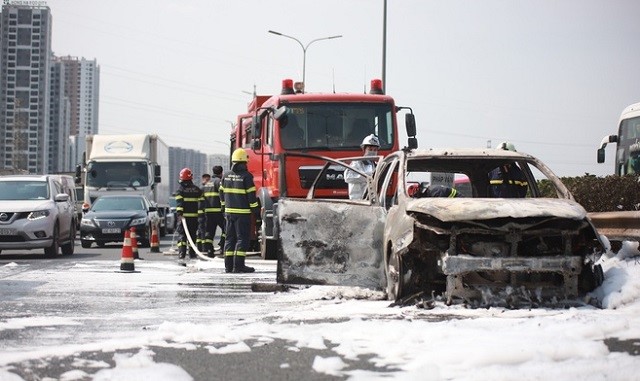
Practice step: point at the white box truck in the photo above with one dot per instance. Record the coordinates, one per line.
(126, 164)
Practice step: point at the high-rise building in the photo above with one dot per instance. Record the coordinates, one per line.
(185, 158)
(59, 149)
(25, 44)
(82, 87)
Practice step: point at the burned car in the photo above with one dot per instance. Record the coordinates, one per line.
(477, 246)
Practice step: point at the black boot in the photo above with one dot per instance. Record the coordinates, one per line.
(239, 266)
(228, 264)
(208, 248)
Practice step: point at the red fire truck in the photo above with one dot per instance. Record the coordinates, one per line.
(283, 132)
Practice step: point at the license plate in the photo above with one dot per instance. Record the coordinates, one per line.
(110, 230)
(6, 231)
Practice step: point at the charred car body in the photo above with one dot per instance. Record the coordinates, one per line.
(481, 249)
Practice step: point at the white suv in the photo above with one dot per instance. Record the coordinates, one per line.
(36, 213)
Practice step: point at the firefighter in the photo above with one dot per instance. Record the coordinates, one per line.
(188, 198)
(238, 197)
(213, 211)
(426, 190)
(201, 219)
(508, 181)
(357, 183)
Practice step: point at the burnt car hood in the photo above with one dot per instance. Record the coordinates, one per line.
(466, 209)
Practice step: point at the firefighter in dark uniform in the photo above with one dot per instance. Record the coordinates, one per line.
(201, 221)
(188, 198)
(508, 180)
(238, 196)
(213, 212)
(426, 190)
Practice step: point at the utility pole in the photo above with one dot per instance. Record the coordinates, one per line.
(384, 48)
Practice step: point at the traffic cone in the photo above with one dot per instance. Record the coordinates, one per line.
(155, 245)
(134, 243)
(126, 262)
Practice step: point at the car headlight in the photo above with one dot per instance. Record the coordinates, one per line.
(38, 214)
(86, 222)
(139, 221)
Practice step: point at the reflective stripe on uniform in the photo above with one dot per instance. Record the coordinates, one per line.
(512, 182)
(238, 191)
(237, 211)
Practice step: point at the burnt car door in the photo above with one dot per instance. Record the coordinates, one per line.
(332, 241)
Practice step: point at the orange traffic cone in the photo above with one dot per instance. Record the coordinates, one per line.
(134, 243)
(155, 245)
(126, 263)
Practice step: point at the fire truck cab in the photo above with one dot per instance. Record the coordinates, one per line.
(283, 132)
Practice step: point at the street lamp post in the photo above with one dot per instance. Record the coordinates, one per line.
(304, 50)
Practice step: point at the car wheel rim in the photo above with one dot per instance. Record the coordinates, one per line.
(394, 277)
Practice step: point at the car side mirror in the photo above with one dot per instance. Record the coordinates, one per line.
(157, 173)
(410, 124)
(78, 174)
(61, 197)
(412, 143)
(280, 112)
(256, 127)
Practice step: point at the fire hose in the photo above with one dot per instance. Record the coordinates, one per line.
(193, 246)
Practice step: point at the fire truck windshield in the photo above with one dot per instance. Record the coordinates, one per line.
(336, 126)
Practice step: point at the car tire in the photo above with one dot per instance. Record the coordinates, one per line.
(146, 242)
(395, 277)
(268, 247)
(67, 248)
(52, 250)
(85, 244)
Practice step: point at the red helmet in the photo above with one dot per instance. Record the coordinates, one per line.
(186, 174)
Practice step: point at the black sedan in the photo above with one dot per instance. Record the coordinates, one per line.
(110, 216)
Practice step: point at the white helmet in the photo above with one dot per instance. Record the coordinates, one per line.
(507, 146)
(370, 140)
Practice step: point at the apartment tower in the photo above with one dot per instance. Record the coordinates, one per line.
(25, 43)
(82, 87)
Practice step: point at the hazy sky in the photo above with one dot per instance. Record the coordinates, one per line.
(551, 76)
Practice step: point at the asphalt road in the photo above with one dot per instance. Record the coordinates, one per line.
(262, 363)
(189, 299)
